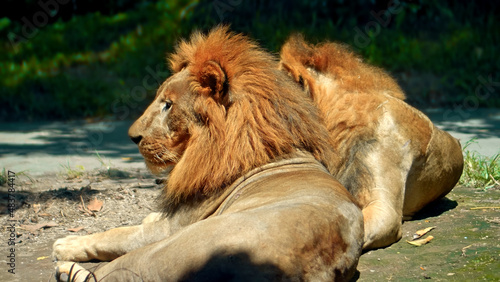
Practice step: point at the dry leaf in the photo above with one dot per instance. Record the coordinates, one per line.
(421, 242)
(34, 227)
(76, 229)
(422, 232)
(126, 158)
(41, 258)
(95, 205)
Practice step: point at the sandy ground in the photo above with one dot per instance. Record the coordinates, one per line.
(466, 244)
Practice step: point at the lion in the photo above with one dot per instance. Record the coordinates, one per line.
(248, 196)
(393, 159)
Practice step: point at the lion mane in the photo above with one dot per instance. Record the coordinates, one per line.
(248, 196)
(246, 115)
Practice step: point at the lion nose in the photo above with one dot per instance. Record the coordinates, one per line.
(136, 139)
(135, 131)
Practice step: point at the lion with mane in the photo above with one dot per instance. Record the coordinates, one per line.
(248, 197)
(391, 157)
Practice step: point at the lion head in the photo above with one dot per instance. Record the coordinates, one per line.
(225, 110)
(315, 66)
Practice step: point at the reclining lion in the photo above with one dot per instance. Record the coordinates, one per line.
(392, 158)
(248, 196)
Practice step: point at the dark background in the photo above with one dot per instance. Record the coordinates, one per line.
(104, 59)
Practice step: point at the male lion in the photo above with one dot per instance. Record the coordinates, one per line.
(392, 158)
(248, 197)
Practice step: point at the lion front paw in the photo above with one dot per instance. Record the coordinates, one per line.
(72, 248)
(70, 271)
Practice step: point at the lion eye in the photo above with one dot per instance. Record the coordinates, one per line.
(168, 105)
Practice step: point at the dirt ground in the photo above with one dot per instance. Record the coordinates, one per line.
(466, 244)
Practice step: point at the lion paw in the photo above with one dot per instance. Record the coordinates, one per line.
(72, 248)
(70, 271)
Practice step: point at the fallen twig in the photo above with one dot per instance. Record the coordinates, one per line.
(465, 249)
(85, 209)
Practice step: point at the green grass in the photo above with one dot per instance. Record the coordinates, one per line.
(103, 163)
(81, 68)
(71, 173)
(480, 171)
(3, 177)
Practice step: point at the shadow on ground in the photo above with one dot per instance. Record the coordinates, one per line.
(482, 123)
(435, 208)
(63, 138)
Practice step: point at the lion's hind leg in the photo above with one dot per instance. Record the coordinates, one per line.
(435, 174)
(382, 225)
(382, 196)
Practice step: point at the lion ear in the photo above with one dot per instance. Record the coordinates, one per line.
(293, 73)
(288, 69)
(285, 67)
(213, 80)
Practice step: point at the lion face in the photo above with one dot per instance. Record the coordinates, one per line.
(162, 132)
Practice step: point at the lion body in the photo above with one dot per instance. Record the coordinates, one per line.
(391, 157)
(248, 196)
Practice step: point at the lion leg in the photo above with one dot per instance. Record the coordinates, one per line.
(108, 245)
(382, 197)
(248, 246)
(435, 174)
(382, 226)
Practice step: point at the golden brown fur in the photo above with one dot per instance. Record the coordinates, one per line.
(247, 119)
(392, 158)
(341, 64)
(247, 196)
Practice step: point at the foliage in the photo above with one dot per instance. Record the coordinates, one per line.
(3, 177)
(453, 41)
(93, 59)
(80, 68)
(71, 173)
(480, 171)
